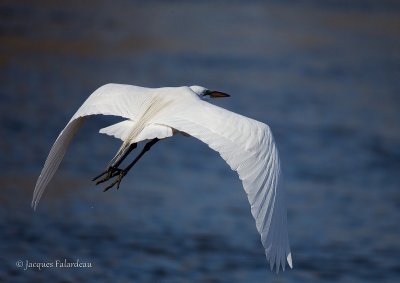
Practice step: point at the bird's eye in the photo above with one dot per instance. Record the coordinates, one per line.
(206, 92)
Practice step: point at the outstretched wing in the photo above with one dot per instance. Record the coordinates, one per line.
(111, 99)
(249, 148)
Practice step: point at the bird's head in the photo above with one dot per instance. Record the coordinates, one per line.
(206, 94)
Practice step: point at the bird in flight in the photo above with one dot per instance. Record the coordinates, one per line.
(153, 114)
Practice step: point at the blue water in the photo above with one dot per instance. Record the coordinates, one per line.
(324, 76)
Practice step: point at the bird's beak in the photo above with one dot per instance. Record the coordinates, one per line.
(218, 94)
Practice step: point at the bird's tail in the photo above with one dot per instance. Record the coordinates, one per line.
(149, 110)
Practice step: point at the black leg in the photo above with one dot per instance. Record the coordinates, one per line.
(119, 175)
(144, 150)
(112, 170)
(122, 158)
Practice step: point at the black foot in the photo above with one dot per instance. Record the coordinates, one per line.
(117, 181)
(109, 173)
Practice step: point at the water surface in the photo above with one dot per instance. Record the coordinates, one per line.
(324, 76)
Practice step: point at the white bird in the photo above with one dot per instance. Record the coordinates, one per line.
(157, 113)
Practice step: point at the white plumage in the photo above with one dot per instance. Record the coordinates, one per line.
(245, 144)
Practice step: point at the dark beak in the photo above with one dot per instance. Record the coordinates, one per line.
(218, 94)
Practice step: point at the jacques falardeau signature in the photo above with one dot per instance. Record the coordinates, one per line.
(56, 263)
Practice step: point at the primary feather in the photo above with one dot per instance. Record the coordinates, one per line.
(245, 144)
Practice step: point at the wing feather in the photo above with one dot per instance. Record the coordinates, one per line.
(111, 99)
(248, 147)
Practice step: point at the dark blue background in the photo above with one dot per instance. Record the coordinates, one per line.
(325, 75)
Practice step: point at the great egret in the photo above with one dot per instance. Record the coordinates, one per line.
(157, 113)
